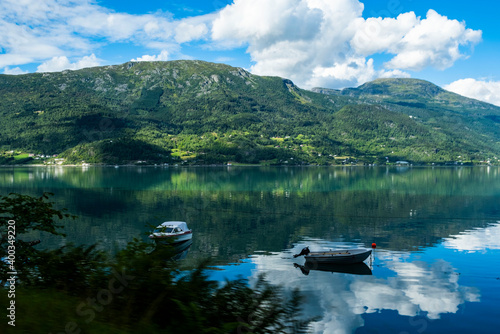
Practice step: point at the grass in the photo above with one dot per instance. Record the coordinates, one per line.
(21, 156)
(184, 155)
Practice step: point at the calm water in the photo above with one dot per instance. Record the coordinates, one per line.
(436, 268)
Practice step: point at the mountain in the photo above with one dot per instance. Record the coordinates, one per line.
(206, 113)
(461, 121)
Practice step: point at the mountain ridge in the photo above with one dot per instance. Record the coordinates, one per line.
(377, 88)
(205, 113)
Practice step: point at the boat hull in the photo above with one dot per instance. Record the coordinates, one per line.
(348, 256)
(172, 239)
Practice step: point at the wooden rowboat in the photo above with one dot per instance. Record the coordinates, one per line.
(339, 256)
(344, 256)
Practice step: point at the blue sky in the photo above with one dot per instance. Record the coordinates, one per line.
(327, 43)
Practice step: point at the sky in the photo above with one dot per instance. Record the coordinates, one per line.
(315, 43)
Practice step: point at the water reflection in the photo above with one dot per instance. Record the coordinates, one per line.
(237, 211)
(341, 299)
(429, 287)
(415, 216)
(174, 251)
(478, 239)
(353, 269)
(182, 249)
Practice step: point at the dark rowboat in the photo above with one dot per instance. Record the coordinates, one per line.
(339, 256)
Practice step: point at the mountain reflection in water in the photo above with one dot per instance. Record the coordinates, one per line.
(436, 268)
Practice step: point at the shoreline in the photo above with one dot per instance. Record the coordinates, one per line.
(245, 165)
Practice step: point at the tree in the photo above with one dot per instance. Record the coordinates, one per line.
(19, 215)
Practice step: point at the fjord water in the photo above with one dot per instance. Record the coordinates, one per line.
(436, 268)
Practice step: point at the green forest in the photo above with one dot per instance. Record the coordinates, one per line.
(195, 112)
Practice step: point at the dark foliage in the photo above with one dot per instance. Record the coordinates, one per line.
(140, 289)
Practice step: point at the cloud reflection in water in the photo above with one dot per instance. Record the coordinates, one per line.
(475, 240)
(411, 288)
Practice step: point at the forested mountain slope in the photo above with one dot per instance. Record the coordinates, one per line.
(212, 113)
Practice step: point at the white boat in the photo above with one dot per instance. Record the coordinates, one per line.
(339, 256)
(171, 232)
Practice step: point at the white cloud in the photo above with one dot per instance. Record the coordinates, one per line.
(290, 38)
(62, 63)
(312, 42)
(394, 74)
(10, 59)
(377, 34)
(163, 56)
(352, 70)
(326, 42)
(37, 30)
(433, 41)
(51, 31)
(122, 26)
(487, 91)
(416, 43)
(263, 22)
(192, 28)
(14, 71)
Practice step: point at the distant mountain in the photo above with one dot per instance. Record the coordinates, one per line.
(413, 93)
(461, 121)
(199, 112)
